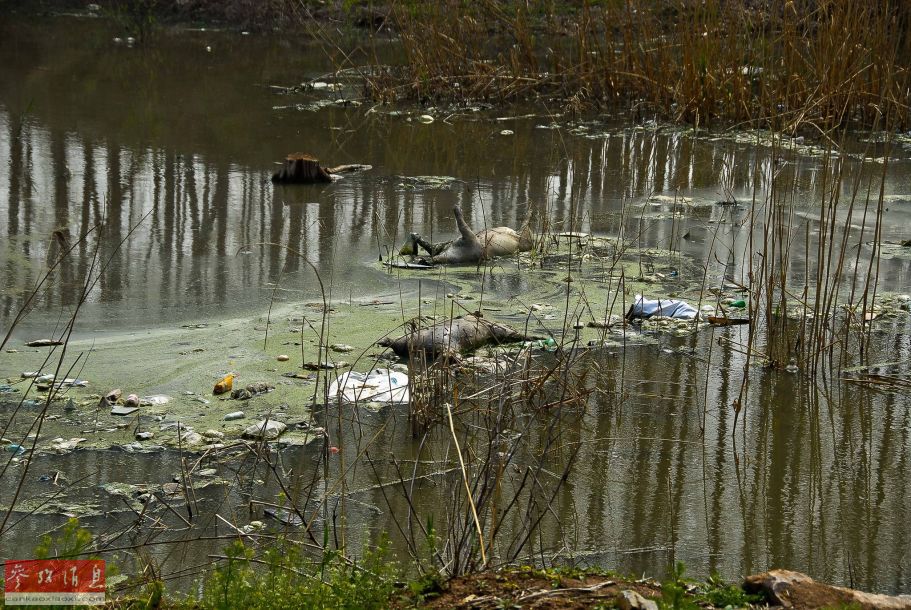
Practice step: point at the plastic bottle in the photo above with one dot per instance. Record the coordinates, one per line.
(224, 385)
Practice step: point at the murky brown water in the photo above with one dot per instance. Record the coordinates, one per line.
(171, 149)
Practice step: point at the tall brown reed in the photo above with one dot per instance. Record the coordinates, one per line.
(801, 64)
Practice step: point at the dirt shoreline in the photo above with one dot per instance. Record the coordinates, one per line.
(525, 587)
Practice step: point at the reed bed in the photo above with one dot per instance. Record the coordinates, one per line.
(806, 64)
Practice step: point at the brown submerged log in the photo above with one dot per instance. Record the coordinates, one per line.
(301, 168)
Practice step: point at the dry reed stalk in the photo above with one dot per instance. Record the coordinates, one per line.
(783, 66)
(474, 509)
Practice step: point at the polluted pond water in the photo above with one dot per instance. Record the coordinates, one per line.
(782, 442)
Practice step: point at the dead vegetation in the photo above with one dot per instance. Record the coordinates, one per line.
(804, 64)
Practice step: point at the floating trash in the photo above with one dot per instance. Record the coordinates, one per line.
(155, 400)
(224, 385)
(316, 366)
(433, 182)
(643, 308)
(191, 438)
(43, 343)
(123, 410)
(268, 429)
(45, 381)
(61, 445)
(380, 385)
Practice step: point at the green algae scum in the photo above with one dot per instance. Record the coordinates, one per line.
(146, 250)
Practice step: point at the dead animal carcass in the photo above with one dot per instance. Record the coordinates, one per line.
(461, 334)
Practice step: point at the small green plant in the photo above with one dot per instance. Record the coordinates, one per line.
(673, 591)
(284, 578)
(721, 594)
(154, 592)
(230, 584)
(426, 587)
(430, 583)
(72, 541)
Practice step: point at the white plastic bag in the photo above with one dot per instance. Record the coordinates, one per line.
(670, 308)
(379, 385)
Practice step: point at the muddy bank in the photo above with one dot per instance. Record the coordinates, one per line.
(568, 588)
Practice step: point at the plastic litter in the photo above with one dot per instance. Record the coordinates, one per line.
(155, 400)
(379, 385)
(61, 445)
(268, 429)
(44, 343)
(224, 385)
(48, 380)
(123, 410)
(191, 438)
(547, 344)
(646, 308)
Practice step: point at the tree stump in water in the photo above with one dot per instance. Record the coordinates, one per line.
(301, 169)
